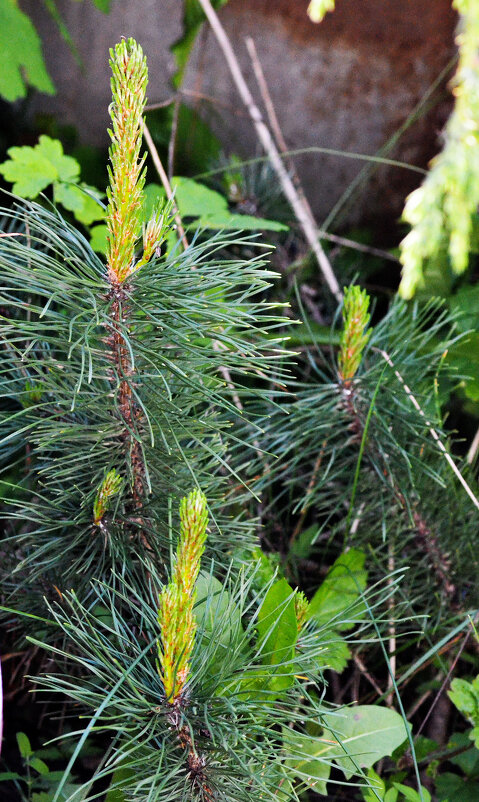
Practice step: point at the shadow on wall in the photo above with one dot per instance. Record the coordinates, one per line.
(346, 84)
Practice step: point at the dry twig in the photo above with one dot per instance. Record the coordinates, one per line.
(307, 224)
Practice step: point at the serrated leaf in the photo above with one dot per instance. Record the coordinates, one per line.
(78, 199)
(67, 167)
(24, 746)
(20, 54)
(31, 169)
(28, 170)
(364, 734)
(340, 590)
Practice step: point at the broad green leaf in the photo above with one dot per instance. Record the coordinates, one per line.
(152, 194)
(98, 240)
(278, 632)
(24, 745)
(379, 788)
(335, 654)
(466, 303)
(342, 587)
(28, 170)
(463, 356)
(452, 788)
(39, 766)
(67, 167)
(364, 734)
(31, 169)
(20, 54)
(77, 198)
(308, 760)
(246, 222)
(411, 795)
(467, 760)
(213, 605)
(465, 696)
(302, 545)
(196, 200)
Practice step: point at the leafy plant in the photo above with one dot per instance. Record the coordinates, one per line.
(21, 50)
(33, 169)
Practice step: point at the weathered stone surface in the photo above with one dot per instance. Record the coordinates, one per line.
(346, 84)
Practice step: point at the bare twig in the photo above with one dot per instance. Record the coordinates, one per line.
(172, 142)
(169, 192)
(391, 630)
(274, 122)
(432, 431)
(364, 671)
(307, 224)
(164, 180)
(473, 449)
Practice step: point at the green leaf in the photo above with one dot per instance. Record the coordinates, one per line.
(452, 788)
(196, 200)
(364, 734)
(411, 795)
(39, 766)
(342, 587)
(465, 697)
(463, 357)
(468, 760)
(151, 195)
(213, 605)
(98, 236)
(244, 222)
(336, 652)
(20, 54)
(307, 759)
(77, 199)
(32, 169)
(24, 745)
(278, 632)
(103, 5)
(379, 787)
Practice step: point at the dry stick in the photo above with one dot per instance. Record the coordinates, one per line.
(391, 631)
(274, 122)
(432, 431)
(473, 449)
(365, 672)
(181, 231)
(164, 180)
(172, 142)
(307, 224)
(281, 142)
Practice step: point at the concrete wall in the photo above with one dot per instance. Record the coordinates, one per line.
(346, 84)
